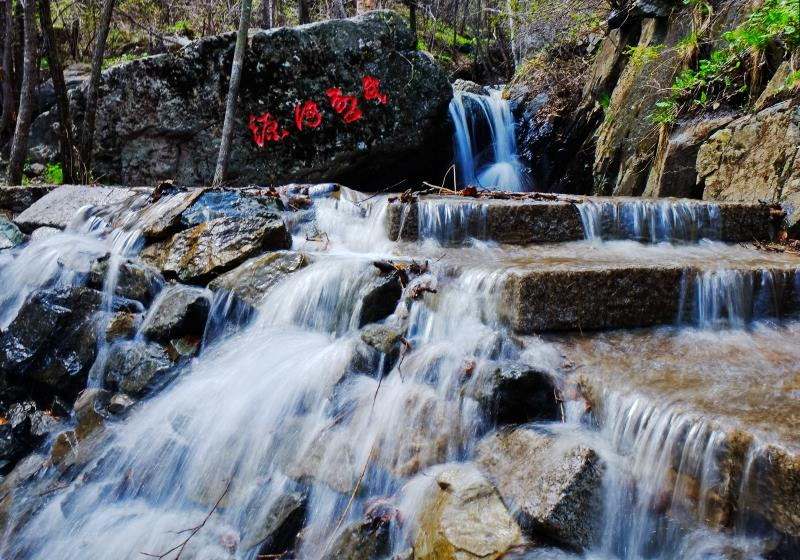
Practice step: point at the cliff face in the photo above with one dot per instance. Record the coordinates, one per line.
(637, 129)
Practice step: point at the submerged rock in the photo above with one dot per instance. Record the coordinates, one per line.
(554, 489)
(135, 367)
(181, 310)
(277, 530)
(160, 117)
(464, 519)
(251, 280)
(366, 539)
(383, 338)
(205, 251)
(53, 339)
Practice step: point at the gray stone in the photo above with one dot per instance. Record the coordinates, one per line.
(163, 217)
(365, 539)
(251, 280)
(134, 280)
(280, 522)
(469, 87)
(380, 298)
(160, 117)
(201, 253)
(120, 403)
(178, 311)
(42, 233)
(59, 207)
(464, 518)
(53, 339)
(383, 338)
(554, 490)
(135, 367)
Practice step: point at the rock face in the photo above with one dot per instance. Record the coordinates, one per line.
(53, 340)
(554, 490)
(737, 163)
(200, 253)
(464, 518)
(161, 117)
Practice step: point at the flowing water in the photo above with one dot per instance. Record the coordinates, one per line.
(485, 142)
(289, 404)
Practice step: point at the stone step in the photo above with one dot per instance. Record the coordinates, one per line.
(583, 298)
(524, 221)
(729, 395)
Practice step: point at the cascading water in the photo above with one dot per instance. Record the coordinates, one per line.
(485, 142)
(289, 420)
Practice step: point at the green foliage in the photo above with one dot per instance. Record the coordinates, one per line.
(604, 100)
(688, 45)
(114, 60)
(641, 55)
(701, 6)
(792, 79)
(54, 174)
(720, 76)
(183, 28)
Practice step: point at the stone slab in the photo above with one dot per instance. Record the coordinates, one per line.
(58, 207)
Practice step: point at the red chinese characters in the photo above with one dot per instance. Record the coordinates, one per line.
(372, 90)
(345, 105)
(265, 128)
(307, 115)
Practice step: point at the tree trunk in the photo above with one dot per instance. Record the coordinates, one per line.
(304, 11)
(87, 134)
(412, 17)
(267, 14)
(9, 105)
(233, 94)
(65, 140)
(19, 145)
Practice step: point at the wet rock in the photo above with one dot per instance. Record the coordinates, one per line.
(515, 394)
(184, 347)
(10, 235)
(64, 445)
(164, 216)
(555, 489)
(160, 117)
(380, 299)
(281, 521)
(364, 358)
(136, 368)
(383, 338)
(179, 311)
(119, 403)
(469, 87)
(235, 204)
(53, 339)
(205, 251)
(464, 518)
(366, 539)
(756, 157)
(90, 411)
(135, 280)
(251, 280)
(122, 325)
(329, 460)
(58, 207)
(24, 427)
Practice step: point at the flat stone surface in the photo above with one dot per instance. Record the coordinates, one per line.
(58, 207)
(526, 221)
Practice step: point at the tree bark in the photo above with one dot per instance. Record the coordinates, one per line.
(304, 11)
(65, 140)
(233, 94)
(9, 105)
(90, 114)
(267, 14)
(19, 145)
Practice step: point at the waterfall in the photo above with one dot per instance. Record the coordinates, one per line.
(654, 221)
(485, 142)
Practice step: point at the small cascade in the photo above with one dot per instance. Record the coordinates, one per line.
(735, 298)
(485, 142)
(673, 483)
(653, 221)
(451, 222)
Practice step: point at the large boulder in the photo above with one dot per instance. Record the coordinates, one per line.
(464, 518)
(161, 117)
(515, 394)
(200, 253)
(52, 342)
(755, 158)
(554, 489)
